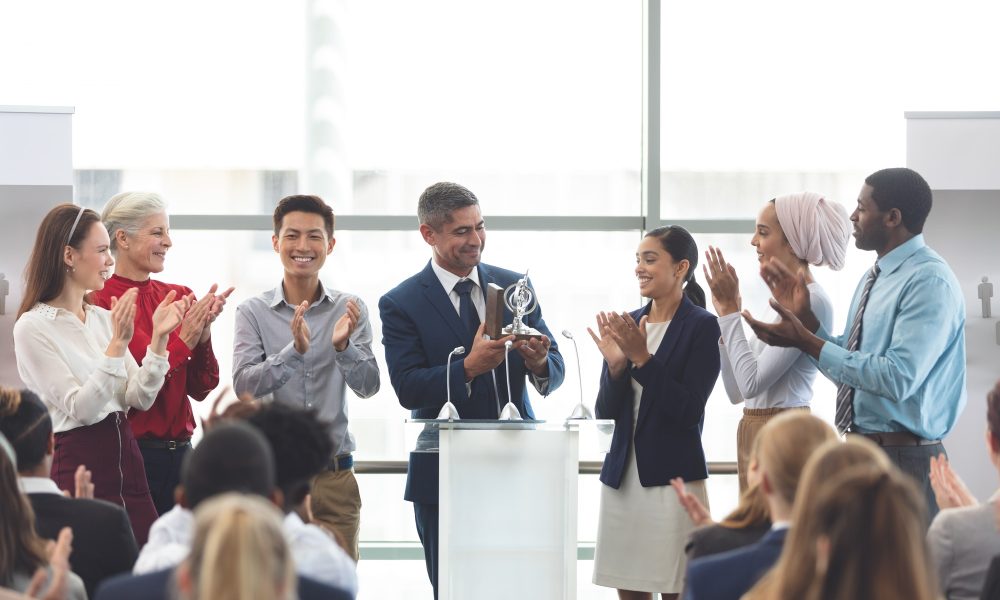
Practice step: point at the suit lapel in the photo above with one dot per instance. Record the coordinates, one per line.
(438, 298)
(670, 338)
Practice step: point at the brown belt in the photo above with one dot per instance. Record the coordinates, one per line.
(895, 438)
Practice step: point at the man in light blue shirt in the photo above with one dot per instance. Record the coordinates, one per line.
(901, 361)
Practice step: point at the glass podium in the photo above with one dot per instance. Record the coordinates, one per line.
(508, 504)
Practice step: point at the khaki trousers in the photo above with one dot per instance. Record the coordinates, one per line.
(336, 503)
(750, 425)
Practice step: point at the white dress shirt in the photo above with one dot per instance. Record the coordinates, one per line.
(318, 556)
(38, 485)
(61, 358)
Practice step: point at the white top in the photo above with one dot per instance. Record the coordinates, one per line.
(62, 359)
(38, 485)
(768, 376)
(316, 554)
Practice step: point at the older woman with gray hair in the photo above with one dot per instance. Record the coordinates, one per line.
(139, 229)
(797, 230)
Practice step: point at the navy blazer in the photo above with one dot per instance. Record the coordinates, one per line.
(676, 383)
(420, 326)
(159, 585)
(731, 574)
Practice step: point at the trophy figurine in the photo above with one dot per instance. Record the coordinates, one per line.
(520, 301)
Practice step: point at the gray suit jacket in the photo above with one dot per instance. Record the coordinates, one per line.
(962, 542)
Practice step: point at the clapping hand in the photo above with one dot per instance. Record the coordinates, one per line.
(695, 509)
(122, 322)
(345, 326)
(723, 282)
(790, 290)
(630, 336)
(609, 348)
(84, 486)
(949, 489)
(300, 330)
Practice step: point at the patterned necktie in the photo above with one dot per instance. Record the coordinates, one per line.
(845, 393)
(466, 309)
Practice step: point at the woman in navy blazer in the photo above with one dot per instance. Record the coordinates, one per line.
(661, 363)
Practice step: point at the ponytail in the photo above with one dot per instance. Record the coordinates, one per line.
(693, 291)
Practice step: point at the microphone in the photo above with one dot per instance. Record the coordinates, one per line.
(509, 412)
(448, 411)
(580, 411)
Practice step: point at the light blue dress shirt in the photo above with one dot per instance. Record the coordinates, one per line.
(909, 372)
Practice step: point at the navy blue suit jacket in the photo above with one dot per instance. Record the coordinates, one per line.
(676, 384)
(159, 586)
(732, 574)
(420, 326)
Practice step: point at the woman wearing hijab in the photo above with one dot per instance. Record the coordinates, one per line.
(797, 230)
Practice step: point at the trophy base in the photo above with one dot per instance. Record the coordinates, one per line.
(524, 333)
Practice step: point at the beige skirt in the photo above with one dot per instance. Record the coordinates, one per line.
(641, 534)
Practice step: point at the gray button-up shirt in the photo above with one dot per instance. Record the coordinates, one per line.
(267, 366)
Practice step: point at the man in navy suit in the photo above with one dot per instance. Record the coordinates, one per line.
(440, 308)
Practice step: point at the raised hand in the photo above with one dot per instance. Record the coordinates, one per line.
(300, 330)
(58, 553)
(345, 326)
(695, 509)
(122, 322)
(949, 489)
(787, 332)
(535, 353)
(723, 282)
(630, 336)
(790, 290)
(167, 316)
(609, 348)
(83, 481)
(486, 354)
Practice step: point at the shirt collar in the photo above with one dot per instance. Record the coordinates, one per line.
(779, 525)
(38, 485)
(449, 279)
(898, 255)
(278, 295)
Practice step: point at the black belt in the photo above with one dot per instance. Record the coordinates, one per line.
(164, 444)
(895, 438)
(341, 463)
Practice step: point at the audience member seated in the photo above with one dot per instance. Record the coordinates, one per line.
(786, 442)
(102, 535)
(865, 536)
(963, 537)
(232, 457)
(797, 563)
(238, 552)
(748, 522)
(303, 448)
(22, 552)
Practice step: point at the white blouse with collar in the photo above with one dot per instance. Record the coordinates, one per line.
(62, 359)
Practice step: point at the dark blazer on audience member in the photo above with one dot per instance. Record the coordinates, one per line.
(158, 586)
(676, 384)
(991, 587)
(716, 539)
(103, 544)
(731, 574)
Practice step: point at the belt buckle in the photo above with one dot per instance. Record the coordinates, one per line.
(171, 444)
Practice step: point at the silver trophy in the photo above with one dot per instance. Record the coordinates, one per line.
(520, 301)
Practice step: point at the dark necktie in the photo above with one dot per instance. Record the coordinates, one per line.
(466, 309)
(845, 393)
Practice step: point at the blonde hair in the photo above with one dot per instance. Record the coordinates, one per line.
(786, 443)
(128, 210)
(239, 551)
(752, 510)
(796, 567)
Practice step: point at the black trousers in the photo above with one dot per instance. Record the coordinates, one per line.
(163, 472)
(426, 516)
(915, 461)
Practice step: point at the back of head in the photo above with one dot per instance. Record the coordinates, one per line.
(680, 245)
(25, 422)
(786, 443)
(903, 189)
(307, 204)
(232, 457)
(796, 568)
(45, 274)
(871, 544)
(441, 199)
(238, 552)
(128, 210)
(21, 550)
(301, 444)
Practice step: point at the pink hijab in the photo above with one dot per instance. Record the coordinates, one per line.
(817, 229)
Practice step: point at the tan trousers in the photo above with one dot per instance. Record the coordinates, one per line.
(750, 425)
(336, 503)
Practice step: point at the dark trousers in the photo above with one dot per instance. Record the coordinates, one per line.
(915, 461)
(163, 472)
(426, 516)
